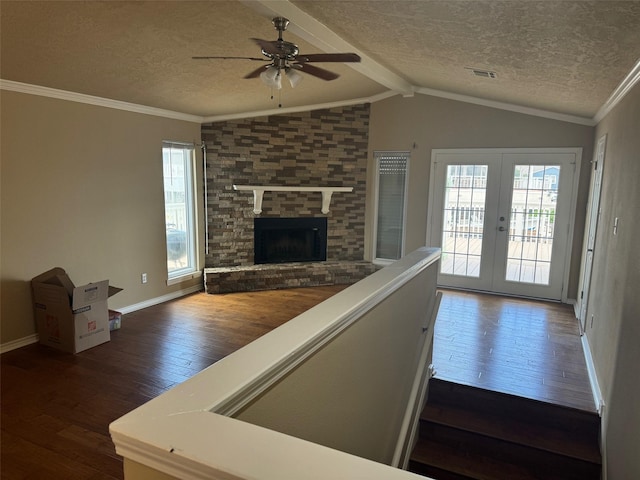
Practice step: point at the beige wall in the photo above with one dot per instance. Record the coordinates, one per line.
(422, 123)
(137, 471)
(614, 301)
(81, 188)
(352, 394)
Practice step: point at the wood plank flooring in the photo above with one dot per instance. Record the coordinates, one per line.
(56, 407)
(521, 347)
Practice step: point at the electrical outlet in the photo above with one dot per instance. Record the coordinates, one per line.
(143, 278)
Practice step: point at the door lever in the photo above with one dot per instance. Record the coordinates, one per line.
(502, 229)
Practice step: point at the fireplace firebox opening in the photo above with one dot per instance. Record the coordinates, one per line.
(282, 240)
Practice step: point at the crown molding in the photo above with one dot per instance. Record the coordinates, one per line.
(507, 106)
(618, 94)
(19, 87)
(632, 79)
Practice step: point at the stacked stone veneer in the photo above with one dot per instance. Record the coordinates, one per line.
(312, 149)
(289, 275)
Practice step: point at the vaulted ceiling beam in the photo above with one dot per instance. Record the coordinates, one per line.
(309, 29)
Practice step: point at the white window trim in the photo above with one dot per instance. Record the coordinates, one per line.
(183, 278)
(195, 271)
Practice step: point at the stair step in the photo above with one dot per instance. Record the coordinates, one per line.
(434, 473)
(469, 433)
(469, 455)
(577, 423)
(518, 430)
(444, 462)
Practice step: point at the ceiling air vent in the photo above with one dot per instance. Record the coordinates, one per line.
(479, 72)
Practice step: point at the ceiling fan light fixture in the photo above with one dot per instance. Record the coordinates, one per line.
(272, 77)
(294, 77)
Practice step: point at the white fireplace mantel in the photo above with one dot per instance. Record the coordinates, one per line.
(258, 192)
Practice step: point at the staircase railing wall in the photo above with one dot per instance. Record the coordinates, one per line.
(336, 390)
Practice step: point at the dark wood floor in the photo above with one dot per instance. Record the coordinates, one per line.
(521, 347)
(56, 407)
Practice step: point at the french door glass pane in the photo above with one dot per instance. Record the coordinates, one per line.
(532, 222)
(463, 223)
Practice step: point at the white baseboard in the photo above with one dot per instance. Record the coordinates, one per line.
(33, 338)
(593, 377)
(158, 300)
(597, 398)
(20, 342)
(603, 441)
(576, 308)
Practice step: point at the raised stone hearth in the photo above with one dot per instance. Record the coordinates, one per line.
(284, 275)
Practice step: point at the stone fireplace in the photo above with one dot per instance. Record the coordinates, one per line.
(283, 240)
(321, 148)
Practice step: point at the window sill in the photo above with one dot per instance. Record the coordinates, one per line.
(183, 278)
(382, 262)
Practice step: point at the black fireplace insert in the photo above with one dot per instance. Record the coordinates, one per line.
(281, 240)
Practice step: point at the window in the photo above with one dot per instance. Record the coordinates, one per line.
(391, 180)
(179, 207)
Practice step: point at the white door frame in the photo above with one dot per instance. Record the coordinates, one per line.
(591, 228)
(432, 229)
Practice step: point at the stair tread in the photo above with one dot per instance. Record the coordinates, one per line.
(435, 473)
(488, 402)
(439, 387)
(518, 431)
(470, 432)
(478, 465)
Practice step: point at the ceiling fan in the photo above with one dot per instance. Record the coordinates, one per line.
(283, 56)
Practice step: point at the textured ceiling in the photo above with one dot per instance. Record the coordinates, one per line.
(561, 56)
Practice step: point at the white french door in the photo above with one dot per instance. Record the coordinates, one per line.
(503, 219)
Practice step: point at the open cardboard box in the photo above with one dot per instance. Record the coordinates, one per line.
(71, 318)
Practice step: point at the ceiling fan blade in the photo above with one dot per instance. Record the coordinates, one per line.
(329, 57)
(316, 71)
(230, 58)
(271, 47)
(256, 73)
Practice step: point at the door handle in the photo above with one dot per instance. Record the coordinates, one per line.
(502, 229)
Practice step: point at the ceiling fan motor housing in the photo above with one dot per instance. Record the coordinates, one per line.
(285, 51)
(280, 23)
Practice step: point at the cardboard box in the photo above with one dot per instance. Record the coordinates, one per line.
(115, 320)
(71, 318)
